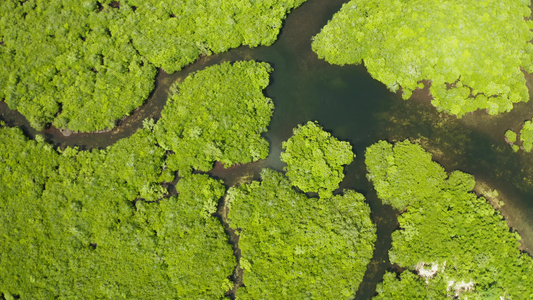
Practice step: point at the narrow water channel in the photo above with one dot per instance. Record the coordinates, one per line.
(351, 105)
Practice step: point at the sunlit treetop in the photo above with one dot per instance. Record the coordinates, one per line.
(69, 63)
(172, 34)
(523, 139)
(93, 225)
(295, 247)
(472, 52)
(455, 242)
(315, 159)
(402, 174)
(83, 65)
(217, 114)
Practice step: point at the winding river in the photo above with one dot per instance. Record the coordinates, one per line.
(352, 106)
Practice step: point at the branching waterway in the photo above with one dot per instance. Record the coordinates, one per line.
(354, 107)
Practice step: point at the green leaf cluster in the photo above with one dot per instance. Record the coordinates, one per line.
(526, 136)
(522, 141)
(217, 114)
(471, 51)
(456, 243)
(315, 159)
(196, 250)
(512, 139)
(74, 225)
(69, 63)
(172, 34)
(83, 65)
(295, 247)
(101, 224)
(510, 136)
(402, 173)
(409, 287)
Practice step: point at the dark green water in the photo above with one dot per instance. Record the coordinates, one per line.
(352, 106)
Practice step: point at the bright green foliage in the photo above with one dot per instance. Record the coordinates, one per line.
(73, 226)
(172, 34)
(69, 63)
(197, 253)
(523, 141)
(135, 162)
(315, 159)
(294, 247)
(526, 136)
(217, 114)
(471, 51)
(25, 166)
(129, 169)
(85, 64)
(510, 136)
(409, 287)
(402, 174)
(447, 232)
(78, 236)
(511, 139)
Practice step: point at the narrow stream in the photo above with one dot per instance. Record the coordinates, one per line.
(351, 105)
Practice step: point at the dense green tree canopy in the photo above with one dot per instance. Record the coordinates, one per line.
(100, 224)
(67, 62)
(295, 247)
(526, 136)
(457, 243)
(409, 287)
(523, 140)
(512, 139)
(217, 114)
(199, 258)
(402, 174)
(172, 34)
(472, 51)
(83, 65)
(315, 159)
(25, 167)
(74, 225)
